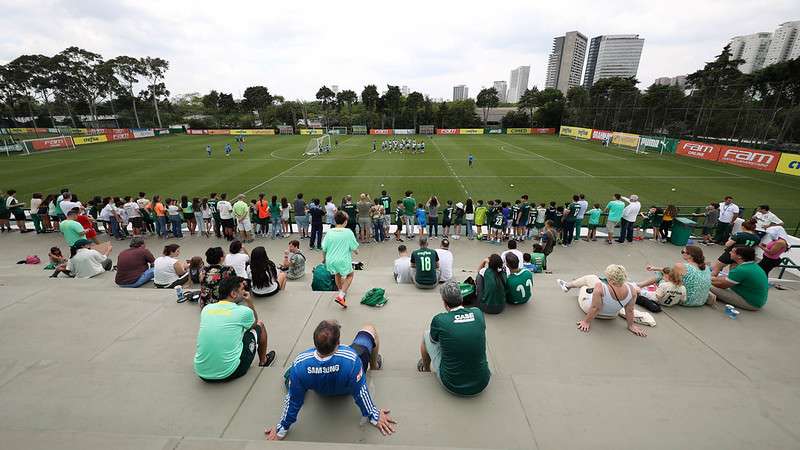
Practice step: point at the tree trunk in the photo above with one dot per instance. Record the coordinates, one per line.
(133, 104)
(155, 104)
(113, 110)
(69, 111)
(33, 119)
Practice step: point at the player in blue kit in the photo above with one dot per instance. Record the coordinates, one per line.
(470, 159)
(330, 369)
(208, 150)
(228, 149)
(240, 140)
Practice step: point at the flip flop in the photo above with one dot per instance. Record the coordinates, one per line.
(270, 359)
(379, 362)
(420, 366)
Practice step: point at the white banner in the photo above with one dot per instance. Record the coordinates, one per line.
(138, 134)
(403, 131)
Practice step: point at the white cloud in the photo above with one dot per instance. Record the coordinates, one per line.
(295, 47)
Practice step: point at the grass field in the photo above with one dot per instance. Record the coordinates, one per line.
(545, 167)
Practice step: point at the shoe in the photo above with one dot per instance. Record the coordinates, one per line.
(341, 301)
(563, 285)
(270, 359)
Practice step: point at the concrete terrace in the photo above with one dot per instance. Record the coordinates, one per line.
(86, 365)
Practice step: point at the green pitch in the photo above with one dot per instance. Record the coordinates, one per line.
(545, 167)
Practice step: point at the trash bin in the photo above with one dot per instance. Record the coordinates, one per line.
(682, 230)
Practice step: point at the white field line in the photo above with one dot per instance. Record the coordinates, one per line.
(548, 159)
(449, 166)
(736, 175)
(610, 177)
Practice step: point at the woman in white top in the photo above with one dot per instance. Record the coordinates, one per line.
(169, 271)
(608, 297)
(266, 280)
(238, 259)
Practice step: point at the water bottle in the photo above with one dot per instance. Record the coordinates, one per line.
(731, 312)
(179, 292)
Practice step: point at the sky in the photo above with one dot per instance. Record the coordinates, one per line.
(294, 47)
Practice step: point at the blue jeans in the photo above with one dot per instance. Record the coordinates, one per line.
(470, 224)
(161, 226)
(176, 226)
(145, 277)
(115, 228)
(377, 230)
(276, 225)
(316, 236)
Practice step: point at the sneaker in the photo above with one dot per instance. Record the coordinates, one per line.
(341, 301)
(563, 285)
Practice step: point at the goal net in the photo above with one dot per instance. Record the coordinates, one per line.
(359, 129)
(319, 145)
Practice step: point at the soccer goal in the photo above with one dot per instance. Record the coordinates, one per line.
(319, 145)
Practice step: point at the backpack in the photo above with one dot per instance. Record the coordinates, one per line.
(322, 279)
(468, 294)
(30, 259)
(374, 297)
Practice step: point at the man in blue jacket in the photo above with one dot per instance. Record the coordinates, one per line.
(331, 369)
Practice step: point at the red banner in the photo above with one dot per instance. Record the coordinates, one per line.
(380, 131)
(227, 132)
(119, 134)
(753, 159)
(193, 131)
(699, 150)
(601, 135)
(543, 131)
(58, 142)
(447, 131)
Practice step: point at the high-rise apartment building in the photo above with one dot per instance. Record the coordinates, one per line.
(501, 87)
(460, 92)
(613, 56)
(679, 81)
(784, 43)
(518, 83)
(565, 64)
(752, 48)
(404, 91)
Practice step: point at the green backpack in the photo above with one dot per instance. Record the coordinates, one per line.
(322, 280)
(374, 297)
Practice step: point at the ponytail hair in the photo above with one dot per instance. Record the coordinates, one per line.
(697, 256)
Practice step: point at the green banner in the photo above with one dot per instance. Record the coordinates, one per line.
(658, 144)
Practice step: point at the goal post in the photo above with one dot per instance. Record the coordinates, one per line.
(319, 145)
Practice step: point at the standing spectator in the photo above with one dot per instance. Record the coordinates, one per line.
(241, 212)
(433, 216)
(425, 263)
(317, 213)
(89, 262)
(67, 203)
(629, 215)
(187, 211)
(670, 213)
(746, 285)
(161, 216)
(285, 214)
(212, 205)
(351, 210)
(44, 214)
(728, 212)
(330, 211)
(594, 222)
(377, 214)
(764, 219)
(238, 258)
(745, 238)
(615, 209)
(262, 212)
(458, 220)
(134, 216)
(570, 220)
(491, 284)
(447, 218)
(338, 247)
(265, 278)
(301, 216)
(15, 209)
(386, 203)
(294, 262)
(710, 223)
(225, 210)
(454, 348)
(445, 261)
(36, 202)
(197, 207)
(5, 214)
(175, 217)
(168, 270)
(134, 265)
(364, 220)
(469, 218)
(774, 248)
(402, 266)
(409, 209)
(583, 207)
(480, 219)
(549, 237)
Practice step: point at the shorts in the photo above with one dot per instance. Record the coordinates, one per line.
(387, 220)
(137, 222)
(447, 222)
(539, 225)
(459, 221)
(592, 226)
(498, 227)
(725, 258)
(19, 214)
(228, 223)
(245, 225)
(188, 216)
(249, 351)
(179, 282)
(364, 222)
(610, 224)
(522, 222)
(301, 221)
(434, 350)
(364, 344)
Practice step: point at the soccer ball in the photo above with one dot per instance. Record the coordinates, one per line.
(511, 185)
(673, 189)
(381, 184)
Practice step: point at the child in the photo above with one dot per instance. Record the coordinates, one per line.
(711, 221)
(506, 220)
(527, 264)
(422, 218)
(670, 290)
(541, 217)
(195, 266)
(538, 258)
(480, 218)
(399, 212)
(548, 238)
(56, 258)
(594, 222)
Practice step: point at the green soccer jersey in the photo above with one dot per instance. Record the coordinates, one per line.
(540, 259)
(480, 215)
(424, 260)
(212, 205)
(386, 202)
(515, 213)
(352, 213)
(745, 238)
(523, 210)
(409, 205)
(519, 287)
(573, 209)
(498, 219)
(461, 335)
(447, 215)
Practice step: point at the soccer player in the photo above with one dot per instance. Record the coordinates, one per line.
(375, 145)
(386, 202)
(470, 159)
(240, 139)
(331, 369)
(228, 149)
(208, 150)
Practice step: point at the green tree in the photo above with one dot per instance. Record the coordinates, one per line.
(527, 101)
(392, 99)
(414, 102)
(326, 97)
(487, 99)
(80, 76)
(549, 108)
(128, 70)
(258, 98)
(346, 97)
(516, 119)
(154, 70)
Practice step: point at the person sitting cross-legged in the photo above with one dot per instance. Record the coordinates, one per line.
(746, 285)
(454, 348)
(519, 285)
(425, 264)
(331, 369)
(89, 261)
(230, 335)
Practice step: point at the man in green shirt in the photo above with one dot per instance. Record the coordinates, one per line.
(425, 263)
(241, 212)
(352, 213)
(386, 203)
(230, 335)
(338, 246)
(519, 285)
(71, 228)
(454, 348)
(409, 207)
(746, 285)
(614, 208)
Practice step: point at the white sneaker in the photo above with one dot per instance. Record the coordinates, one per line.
(563, 285)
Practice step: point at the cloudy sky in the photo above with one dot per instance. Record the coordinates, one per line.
(294, 47)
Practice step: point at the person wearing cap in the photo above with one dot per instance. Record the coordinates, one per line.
(134, 265)
(89, 262)
(629, 214)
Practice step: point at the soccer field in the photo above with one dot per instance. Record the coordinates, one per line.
(544, 167)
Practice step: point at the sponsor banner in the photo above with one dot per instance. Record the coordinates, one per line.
(470, 131)
(45, 144)
(194, 131)
(163, 131)
(625, 139)
(11, 148)
(19, 130)
(404, 131)
(699, 150)
(311, 131)
(601, 135)
(447, 131)
(659, 144)
(94, 131)
(494, 131)
(217, 132)
(52, 130)
(765, 160)
(384, 131)
(138, 134)
(254, 132)
(119, 135)
(576, 132)
(81, 140)
(543, 131)
(518, 131)
(80, 130)
(789, 164)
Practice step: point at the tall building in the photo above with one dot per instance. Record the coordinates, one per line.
(501, 87)
(460, 92)
(615, 55)
(784, 43)
(752, 48)
(565, 64)
(404, 90)
(518, 83)
(679, 81)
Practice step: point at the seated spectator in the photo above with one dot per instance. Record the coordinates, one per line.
(512, 248)
(425, 263)
(168, 270)
(402, 266)
(747, 237)
(519, 285)
(134, 265)
(608, 297)
(774, 249)
(56, 258)
(445, 261)
(238, 258)
(745, 286)
(89, 262)
(212, 274)
(265, 278)
(331, 369)
(195, 268)
(538, 259)
(230, 335)
(696, 276)
(294, 262)
(670, 290)
(454, 348)
(490, 285)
